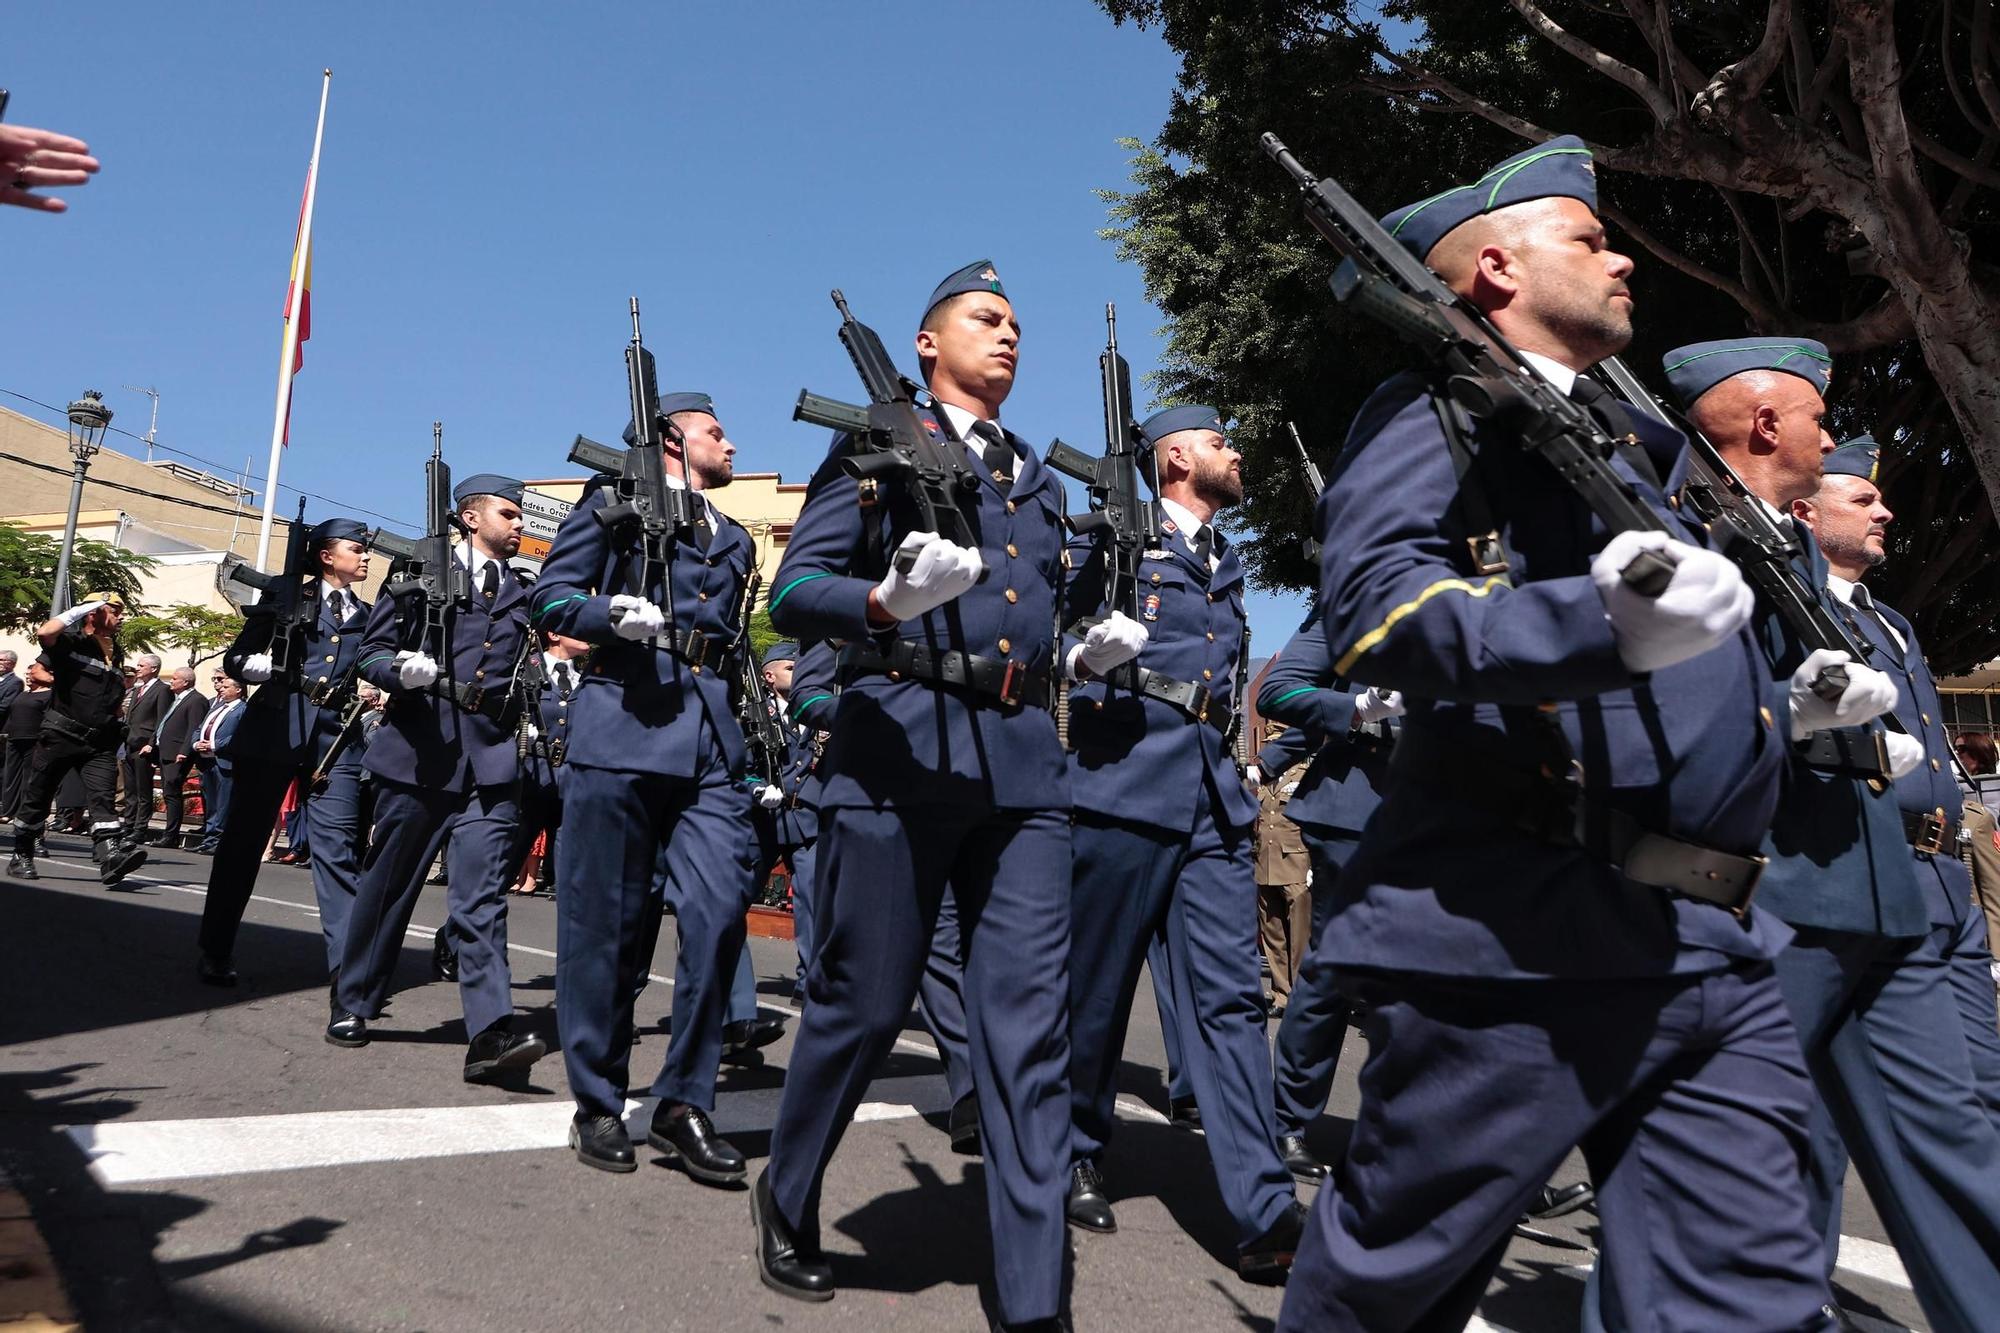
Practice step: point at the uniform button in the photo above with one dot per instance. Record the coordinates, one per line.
(480, 674)
(1012, 596)
(1211, 636)
(1206, 674)
(1211, 597)
(1765, 713)
(1005, 646)
(1934, 765)
(1012, 549)
(336, 639)
(562, 721)
(329, 657)
(487, 644)
(1156, 576)
(701, 597)
(1010, 506)
(1926, 717)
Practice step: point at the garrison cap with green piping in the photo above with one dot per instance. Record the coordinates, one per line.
(1170, 419)
(671, 403)
(1562, 168)
(487, 483)
(978, 276)
(337, 529)
(1695, 369)
(1858, 457)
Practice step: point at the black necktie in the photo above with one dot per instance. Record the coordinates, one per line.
(1204, 545)
(489, 580)
(1615, 421)
(1865, 604)
(996, 455)
(563, 682)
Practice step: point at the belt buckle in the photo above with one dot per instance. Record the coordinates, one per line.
(1009, 681)
(1203, 698)
(471, 697)
(1741, 909)
(696, 649)
(1930, 839)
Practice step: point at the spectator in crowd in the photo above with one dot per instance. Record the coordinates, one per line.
(10, 690)
(145, 705)
(173, 748)
(23, 727)
(216, 729)
(1284, 907)
(1977, 753)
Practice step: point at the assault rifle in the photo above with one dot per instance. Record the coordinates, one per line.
(428, 567)
(1484, 374)
(1315, 487)
(1117, 506)
(763, 732)
(281, 592)
(891, 441)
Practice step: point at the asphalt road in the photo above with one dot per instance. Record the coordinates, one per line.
(200, 1159)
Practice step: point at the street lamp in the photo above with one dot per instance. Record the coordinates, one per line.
(88, 416)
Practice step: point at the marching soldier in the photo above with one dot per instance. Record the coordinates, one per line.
(651, 790)
(550, 678)
(1162, 846)
(446, 765)
(290, 724)
(785, 811)
(944, 768)
(1548, 920)
(810, 692)
(80, 734)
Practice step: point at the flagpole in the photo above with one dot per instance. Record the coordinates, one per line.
(300, 261)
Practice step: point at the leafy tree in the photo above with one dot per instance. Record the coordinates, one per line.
(1834, 176)
(200, 630)
(28, 563)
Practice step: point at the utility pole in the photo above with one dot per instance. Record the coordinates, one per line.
(153, 429)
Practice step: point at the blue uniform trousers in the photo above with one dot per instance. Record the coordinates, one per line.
(1315, 1023)
(1900, 1040)
(256, 790)
(1130, 883)
(804, 861)
(883, 875)
(1160, 968)
(941, 999)
(623, 829)
(742, 1006)
(1687, 1095)
(410, 824)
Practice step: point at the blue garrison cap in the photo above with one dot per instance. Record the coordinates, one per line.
(1168, 420)
(1559, 169)
(978, 276)
(487, 483)
(1858, 457)
(1695, 369)
(671, 403)
(784, 650)
(338, 529)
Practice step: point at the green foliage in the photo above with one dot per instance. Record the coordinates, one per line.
(762, 635)
(198, 630)
(28, 563)
(1252, 328)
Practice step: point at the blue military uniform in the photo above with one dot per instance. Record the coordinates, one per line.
(1162, 846)
(286, 726)
(651, 790)
(552, 683)
(924, 785)
(1333, 803)
(790, 832)
(1898, 1020)
(445, 765)
(1525, 994)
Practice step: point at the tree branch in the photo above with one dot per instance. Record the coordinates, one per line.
(1967, 167)
(1982, 66)
(1620, 73)
(1460, 102)
(1756, 69)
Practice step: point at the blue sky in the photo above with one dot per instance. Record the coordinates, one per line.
(498, 178)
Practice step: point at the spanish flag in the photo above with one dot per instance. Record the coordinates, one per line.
(299, 287)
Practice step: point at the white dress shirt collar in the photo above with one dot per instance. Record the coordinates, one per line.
(1844, 589)
(962, 421)
(1187, 525)
(1554, 371)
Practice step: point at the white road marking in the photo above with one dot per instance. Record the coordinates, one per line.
(1872, 1259)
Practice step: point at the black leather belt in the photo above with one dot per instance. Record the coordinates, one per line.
(333, 694)
(1009, 681)
(698, 650)
(488, 701)
(1930, 831)
(1857, 750)
(1194, 699)
(1551, 810)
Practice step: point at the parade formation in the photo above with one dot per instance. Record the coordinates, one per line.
(1630, 812)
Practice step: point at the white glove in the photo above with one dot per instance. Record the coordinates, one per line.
(534, 732)
(1112, 641)
(770, 797)
(256, 668)
(1905, 752)
(77, 613)
(415, 670)
(635, 617)
(939, 571)
(1254, 777)
(1375, 704)
(1705, 603)
(1869, 694)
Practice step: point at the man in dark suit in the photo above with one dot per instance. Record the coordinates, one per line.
(218, 728)
(145, 704)
(173, 747)
(22, 730)
(10, 690)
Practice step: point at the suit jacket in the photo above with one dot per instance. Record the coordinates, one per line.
(227, 717)
(910, 742)
(282, 719)
(11, 686)
(427, 741)
(181, 722)
(143, 714)
(1447, 883)
(642, 709)
(1341, 789)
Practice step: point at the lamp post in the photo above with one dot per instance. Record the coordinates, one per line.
(88, 416)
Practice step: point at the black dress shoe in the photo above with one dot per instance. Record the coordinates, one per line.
(1087, 1207)
(1053, 1324)
(963, 1125)
(347, 1029)
(121, 861)
(444, 959)
(1182, 1113)
(684, 1134)
(496, 1051)
(22, 867)
(786, 1269)
(1299, 1159)
(213, 971)
(1555, 1202)
(601, 1141)
(750, 1034)
(1269, 1257)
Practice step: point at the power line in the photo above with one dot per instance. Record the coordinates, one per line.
(219, 469)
